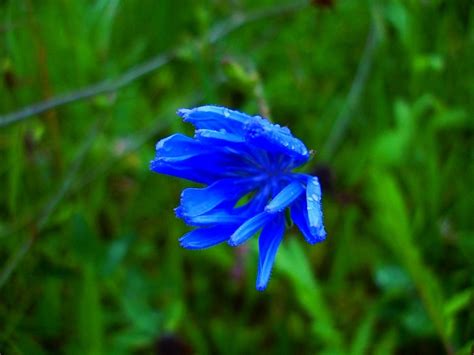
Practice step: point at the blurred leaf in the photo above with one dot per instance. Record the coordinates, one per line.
(15, 168)
(432, 62)
(105, 272)
(115, 253)
(398, 15)
(392, 146)
(238, 75)
(293, 262)
(456, 304)
(136, 306)
(89, 313)
(387, 344)
(84, 241)
(363, 336)
(459, 302)
(392, 220)
(392, 278)
(450, 119)
(416, 321)
(129, 340)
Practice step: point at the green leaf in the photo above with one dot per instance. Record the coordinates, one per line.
(364, 333)
(391, 217)
(292, 261)
(89, 313)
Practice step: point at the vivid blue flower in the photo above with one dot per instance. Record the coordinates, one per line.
(246, 163)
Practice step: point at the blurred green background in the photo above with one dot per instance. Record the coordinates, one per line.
(89, 255)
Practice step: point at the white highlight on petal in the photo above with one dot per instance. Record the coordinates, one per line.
(249, 228)
(285, 197)
(313, 200)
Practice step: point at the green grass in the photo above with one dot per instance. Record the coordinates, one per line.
(89, 257)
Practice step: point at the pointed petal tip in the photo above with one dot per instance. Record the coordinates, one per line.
(183, 112)
(249, 228)
(232, 243)
(191, 246)
(182, 242)
(202, 238)
(319, 235)
(285, 197)
(190, 243)
(261, 287)
(154, 165)
(178, 211)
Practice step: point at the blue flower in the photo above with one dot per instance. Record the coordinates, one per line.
(246, 163)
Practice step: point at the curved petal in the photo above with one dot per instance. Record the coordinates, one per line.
(285, 197)
(218, 216)
(313, 202)
(206, 237)
(232, 144)
(268, 243)
(195, 201)
(180, 147)
(274, 138)
(219, 137)
(299, 214)
(215, 118)
(256, 204)
(226, 214)
(205, 167)
(183, 172)
(249, 228)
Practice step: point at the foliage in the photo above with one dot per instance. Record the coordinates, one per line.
(89, 254)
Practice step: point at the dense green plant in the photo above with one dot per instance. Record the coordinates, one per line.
(89, 254)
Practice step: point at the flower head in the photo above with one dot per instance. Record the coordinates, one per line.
(246, 163)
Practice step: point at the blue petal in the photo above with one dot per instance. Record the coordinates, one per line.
(285, 197)
(180, 147)
(216, 216)
(198, 162)
(268, 242)
(184, 172)
(249, 228)
(195, 202)
(220, 137)
(232, 144)
(226, 214)
(215, 118)
(273, 138)
(256, 204)
(299, 214)
(313, 201)
(206, 237)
